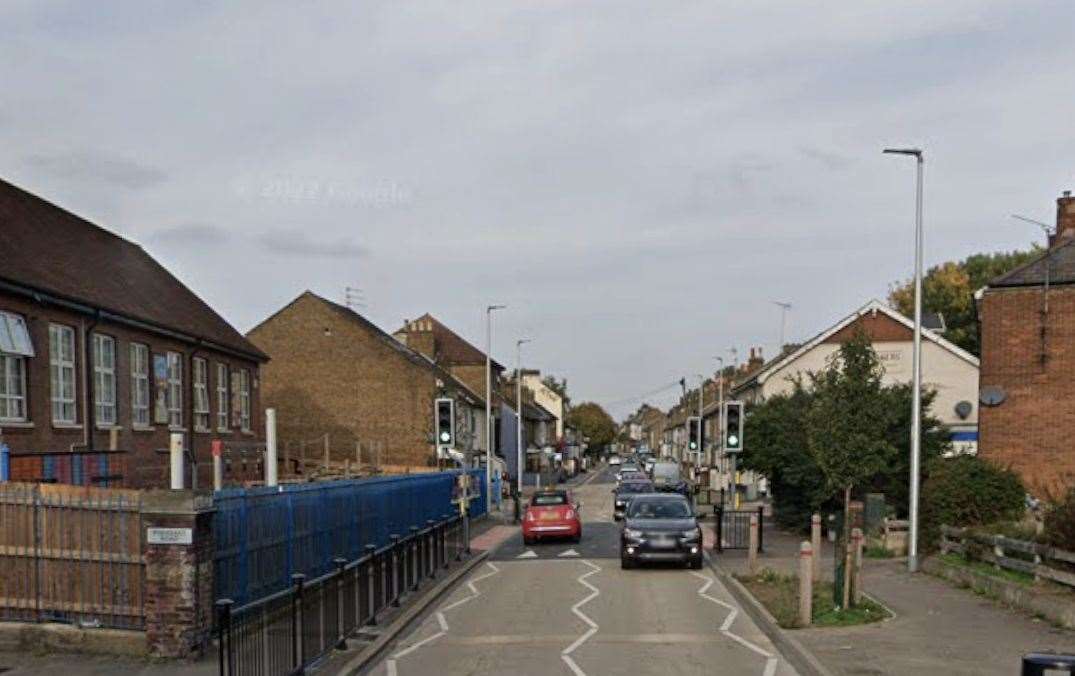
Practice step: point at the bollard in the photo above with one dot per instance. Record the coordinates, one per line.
(815, 545)
(806, 584)
(752, 553)
(856, 566)
(371, 552)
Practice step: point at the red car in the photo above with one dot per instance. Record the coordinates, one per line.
(551, 514)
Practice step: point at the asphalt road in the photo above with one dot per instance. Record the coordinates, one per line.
(562, 608)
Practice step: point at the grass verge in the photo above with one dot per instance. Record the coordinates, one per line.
(780, 595)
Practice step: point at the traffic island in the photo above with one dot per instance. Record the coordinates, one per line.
(779, 594)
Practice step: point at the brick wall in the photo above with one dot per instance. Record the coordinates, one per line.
(1032, 430)
(145, 466)
(330, 374)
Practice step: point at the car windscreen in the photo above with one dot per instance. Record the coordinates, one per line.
(631, 475)
(641, 508)
(667, 471)
(636, 487)
(549, 499)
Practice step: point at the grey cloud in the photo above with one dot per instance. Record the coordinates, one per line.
(295, 242)
(828, 159)
(190, 233)
(95, 166)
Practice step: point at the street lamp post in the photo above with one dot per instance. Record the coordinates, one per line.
(519, 412)
(720, 413)
(916, 366)
(489, 399)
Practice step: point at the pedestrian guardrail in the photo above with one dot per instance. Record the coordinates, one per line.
(291, 630)
(733, 528)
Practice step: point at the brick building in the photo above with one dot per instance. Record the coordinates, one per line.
(334, 372)
(78, 300)
(1027, 321)
(449, 350)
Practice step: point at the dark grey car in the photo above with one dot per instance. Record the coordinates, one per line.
(660, 527)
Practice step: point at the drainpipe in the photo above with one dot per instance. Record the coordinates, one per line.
(89, 410)
(193, 352)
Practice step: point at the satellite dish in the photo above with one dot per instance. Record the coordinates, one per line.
(963, 409)
(992, 395)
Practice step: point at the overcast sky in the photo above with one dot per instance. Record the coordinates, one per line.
(636, 180)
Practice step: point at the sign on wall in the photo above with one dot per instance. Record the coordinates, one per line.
(169, 536)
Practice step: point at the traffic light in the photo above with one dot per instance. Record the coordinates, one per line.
(445, 419)
(733, 426)
(694, 434)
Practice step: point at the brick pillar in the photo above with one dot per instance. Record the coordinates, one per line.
(177, 541)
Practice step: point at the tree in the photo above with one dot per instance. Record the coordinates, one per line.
(949, 289)
(594, 423)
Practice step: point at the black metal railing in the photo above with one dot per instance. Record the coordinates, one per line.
(293, 629)
(733, 528)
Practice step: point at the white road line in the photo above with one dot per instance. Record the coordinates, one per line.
(570, 552)
(594, 593)
(725, 627)
(390, 663)
(528, 554)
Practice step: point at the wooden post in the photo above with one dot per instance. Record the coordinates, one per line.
(806, 584)
(856, 580)
(358, 457)
(347, 468)
(752, 553)
(815, 544)
(302, 458)
(326, 453)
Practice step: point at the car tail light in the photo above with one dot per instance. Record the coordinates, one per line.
(530, 515)
(569, 514)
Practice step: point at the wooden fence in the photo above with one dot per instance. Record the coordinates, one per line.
(71, 554)
(1041, 561)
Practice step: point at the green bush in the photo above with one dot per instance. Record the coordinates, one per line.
(1060, 523)
(968, 491)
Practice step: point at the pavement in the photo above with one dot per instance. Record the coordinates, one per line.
(569, 608)
(937, 628)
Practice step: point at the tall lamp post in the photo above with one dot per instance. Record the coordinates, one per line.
(519, 412)
(489, 399)
(720, 414)
(916, 366)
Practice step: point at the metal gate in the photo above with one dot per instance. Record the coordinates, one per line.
(733, 528)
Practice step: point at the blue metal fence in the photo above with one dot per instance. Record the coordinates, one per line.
(263, 535)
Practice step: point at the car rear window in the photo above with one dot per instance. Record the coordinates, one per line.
(642, 508)
(637, 487)
(546, 499)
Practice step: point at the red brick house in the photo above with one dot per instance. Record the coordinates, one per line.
(104, 354)
(1027, 418)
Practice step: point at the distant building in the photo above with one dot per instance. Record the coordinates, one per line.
(548, 398)
(104, 355)
(946, 368)
(334, 372)
(1028, 363)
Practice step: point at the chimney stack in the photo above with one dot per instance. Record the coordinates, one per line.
(1065, 218)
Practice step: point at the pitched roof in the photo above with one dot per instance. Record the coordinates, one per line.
(774, 365)
(451, 348)
(1058, 262)
(51, 251)
(407, 353)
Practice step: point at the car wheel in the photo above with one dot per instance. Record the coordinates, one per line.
(696, 564)
(577, 538)
(626, 563)
(528, 541)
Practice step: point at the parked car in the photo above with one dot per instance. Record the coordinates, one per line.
(622, 494)
(667, 477)
(551, 514)
(660, 527)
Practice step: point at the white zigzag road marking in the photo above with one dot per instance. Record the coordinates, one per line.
(594, 593)
(390, 663)
(725, 627)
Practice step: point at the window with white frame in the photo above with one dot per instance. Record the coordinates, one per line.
(244, 400)
(12, 388)
(15, 347)
(200, 373)
(62, 373)
(104, 379)
(175, 389)
(139, 385)
(222, 397)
